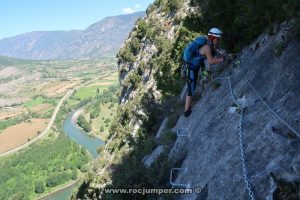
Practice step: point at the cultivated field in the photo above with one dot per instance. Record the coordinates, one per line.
(30, 90)
(58, 88)
(17, 135)
(104, 106)
(10, 112)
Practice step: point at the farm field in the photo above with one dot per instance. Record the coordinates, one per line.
(96, 88)
(11, 112)
(59, 87)
(26, 104)
(30, 90)
(19, 134)
(103, 104)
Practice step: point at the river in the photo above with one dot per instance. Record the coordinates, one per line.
(88, 142)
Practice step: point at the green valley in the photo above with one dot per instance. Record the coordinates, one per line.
(55, 160)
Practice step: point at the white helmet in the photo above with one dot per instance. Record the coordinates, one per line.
(215, 32)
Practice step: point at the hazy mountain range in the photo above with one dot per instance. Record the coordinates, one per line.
(103, 38)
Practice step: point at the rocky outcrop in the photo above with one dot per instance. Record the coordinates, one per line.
(149, 159)
(212, 151)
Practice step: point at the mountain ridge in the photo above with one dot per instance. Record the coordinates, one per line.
(102, 38)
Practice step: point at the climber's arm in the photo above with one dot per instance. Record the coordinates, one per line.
(211, 60)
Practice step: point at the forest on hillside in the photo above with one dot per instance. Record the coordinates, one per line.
(30, 173)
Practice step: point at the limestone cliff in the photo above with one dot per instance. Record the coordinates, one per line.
(143, 146)
(211, 153)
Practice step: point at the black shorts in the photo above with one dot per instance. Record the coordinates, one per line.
(192, 77)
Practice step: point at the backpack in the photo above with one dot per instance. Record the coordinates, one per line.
(191, 53)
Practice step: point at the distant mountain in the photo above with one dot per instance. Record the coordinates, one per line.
(103, 38)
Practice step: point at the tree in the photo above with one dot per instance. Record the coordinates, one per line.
(95, 112)
(135, 46)
(52, 181)
(39, 187)
(84, 124)
(174, 5)
(142, 29)
(126, 55)
(74, 175)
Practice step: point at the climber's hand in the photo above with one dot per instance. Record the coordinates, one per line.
(209, 69)
(227, 59)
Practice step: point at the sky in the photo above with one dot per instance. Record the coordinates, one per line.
(21, 16)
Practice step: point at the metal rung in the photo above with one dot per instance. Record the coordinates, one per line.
(183, 132)
(188, 185)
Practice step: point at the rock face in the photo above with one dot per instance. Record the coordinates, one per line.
(103, 38)
(212, 152)
(149, 159)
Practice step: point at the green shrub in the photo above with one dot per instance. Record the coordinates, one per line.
(81, 121)
(84, 168)
(135, 80)
(142, 29)
(174, 5)
(242, 21)
(95, 112)
(151, 8)
(107, 121)
(135, 45)
(74, 175)
(56, 179)
(39, 187)
(160, 3)
(141, 68)
(126, 55)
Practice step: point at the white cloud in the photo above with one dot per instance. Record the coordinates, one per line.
(128, 10)
(131, 10)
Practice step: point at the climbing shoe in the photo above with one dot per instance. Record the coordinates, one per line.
(188, 112)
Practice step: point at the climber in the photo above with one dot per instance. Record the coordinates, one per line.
(194, 55)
